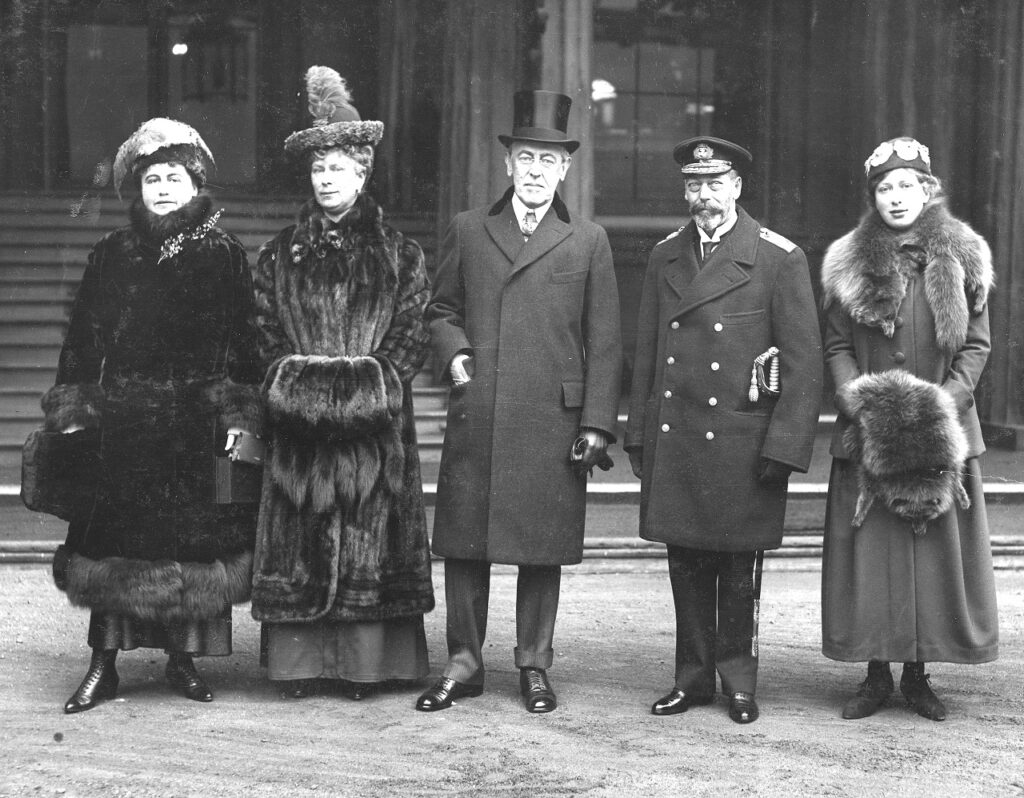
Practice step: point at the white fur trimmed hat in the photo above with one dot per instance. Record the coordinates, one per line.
(160, 140)
(336, 122)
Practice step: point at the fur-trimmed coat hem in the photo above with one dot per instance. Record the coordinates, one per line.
(164, 591)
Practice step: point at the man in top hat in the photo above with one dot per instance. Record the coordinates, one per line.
(525, 323)
(714, 431)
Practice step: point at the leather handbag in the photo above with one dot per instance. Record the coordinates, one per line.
(238, 476)
(60, 472)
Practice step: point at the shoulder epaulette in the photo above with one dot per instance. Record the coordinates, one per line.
(780, 241)
(670, 236)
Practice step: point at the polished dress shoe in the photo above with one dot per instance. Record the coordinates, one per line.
(743, 708)
(536, 690)
(183, 677)
(677, 701)
(871, 694)
(919, 695)
(100, 683)
(443, 692)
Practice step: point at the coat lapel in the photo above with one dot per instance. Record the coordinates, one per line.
(724, 271)
(504, 229)
(549, 233)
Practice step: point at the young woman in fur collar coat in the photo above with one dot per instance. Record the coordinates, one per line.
(159, 357)
(342, 571)
(907, 569)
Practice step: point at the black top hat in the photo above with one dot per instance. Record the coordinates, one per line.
(707, 155)
(541, 116)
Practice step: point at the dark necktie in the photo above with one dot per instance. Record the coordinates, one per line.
(529, 224)
(708, 248)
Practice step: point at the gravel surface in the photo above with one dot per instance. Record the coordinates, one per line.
(615, 648)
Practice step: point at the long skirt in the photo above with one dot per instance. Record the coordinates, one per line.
(394, 650)
(888, 594)
(209, 637)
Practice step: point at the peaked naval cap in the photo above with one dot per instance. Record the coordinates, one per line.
(336, 122)
(707, 155)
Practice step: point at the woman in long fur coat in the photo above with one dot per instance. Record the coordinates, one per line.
(342, 571)
(159, 357)
(907, 569)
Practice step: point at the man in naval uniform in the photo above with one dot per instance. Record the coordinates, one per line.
(712, 444)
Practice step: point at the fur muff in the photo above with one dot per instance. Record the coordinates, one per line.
(867, 270)
(342, 530)
(337, 398)
(908, 444)
(71, 405)
(164, 591)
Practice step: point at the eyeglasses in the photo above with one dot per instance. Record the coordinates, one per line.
(527, 160)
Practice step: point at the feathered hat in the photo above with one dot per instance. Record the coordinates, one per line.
(162, 140)
(336, 122)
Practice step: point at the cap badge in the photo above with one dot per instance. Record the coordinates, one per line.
(703, 152)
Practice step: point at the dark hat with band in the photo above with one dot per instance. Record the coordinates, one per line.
(899, 153)
(541, 117)
(707, 155)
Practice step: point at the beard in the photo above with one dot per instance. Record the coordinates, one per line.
(708, 215)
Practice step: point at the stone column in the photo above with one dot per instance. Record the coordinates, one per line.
(566, 44)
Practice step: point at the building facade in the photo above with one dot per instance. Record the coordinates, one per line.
(810, 86)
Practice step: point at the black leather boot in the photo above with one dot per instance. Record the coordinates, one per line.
(872, 692)
(915, 688)
(99, 684)
(183, 677)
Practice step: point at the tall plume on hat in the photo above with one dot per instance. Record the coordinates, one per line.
(152, 135)
(336, 122)
(327, 92)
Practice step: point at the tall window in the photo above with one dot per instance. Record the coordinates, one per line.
(653, 86)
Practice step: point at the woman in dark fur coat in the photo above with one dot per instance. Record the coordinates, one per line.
(160, 358)
(342, 571)
(907, 569)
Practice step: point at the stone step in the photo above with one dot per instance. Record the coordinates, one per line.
(42, 356)
(34, 334)
(61, 292)
(55, 312)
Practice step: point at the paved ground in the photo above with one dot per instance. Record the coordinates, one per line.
(614, 653)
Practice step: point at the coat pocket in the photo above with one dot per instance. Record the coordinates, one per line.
(747, 317)
(569, 277)
(573, 393)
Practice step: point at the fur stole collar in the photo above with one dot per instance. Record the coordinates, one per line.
(867, 271)
(154, 229)
(355, 246)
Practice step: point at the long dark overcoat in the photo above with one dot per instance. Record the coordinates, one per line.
(698, 333)
(541, 320)
(342, 534)
(160, 356)
(887, 593)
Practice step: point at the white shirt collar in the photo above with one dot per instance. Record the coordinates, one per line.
(520, 209)
(720, 231)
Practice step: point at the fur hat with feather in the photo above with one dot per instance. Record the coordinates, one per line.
(336, 122)
(909, 446)
(162, 140)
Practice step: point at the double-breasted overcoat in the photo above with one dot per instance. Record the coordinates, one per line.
(699, 331)
(541, 320)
